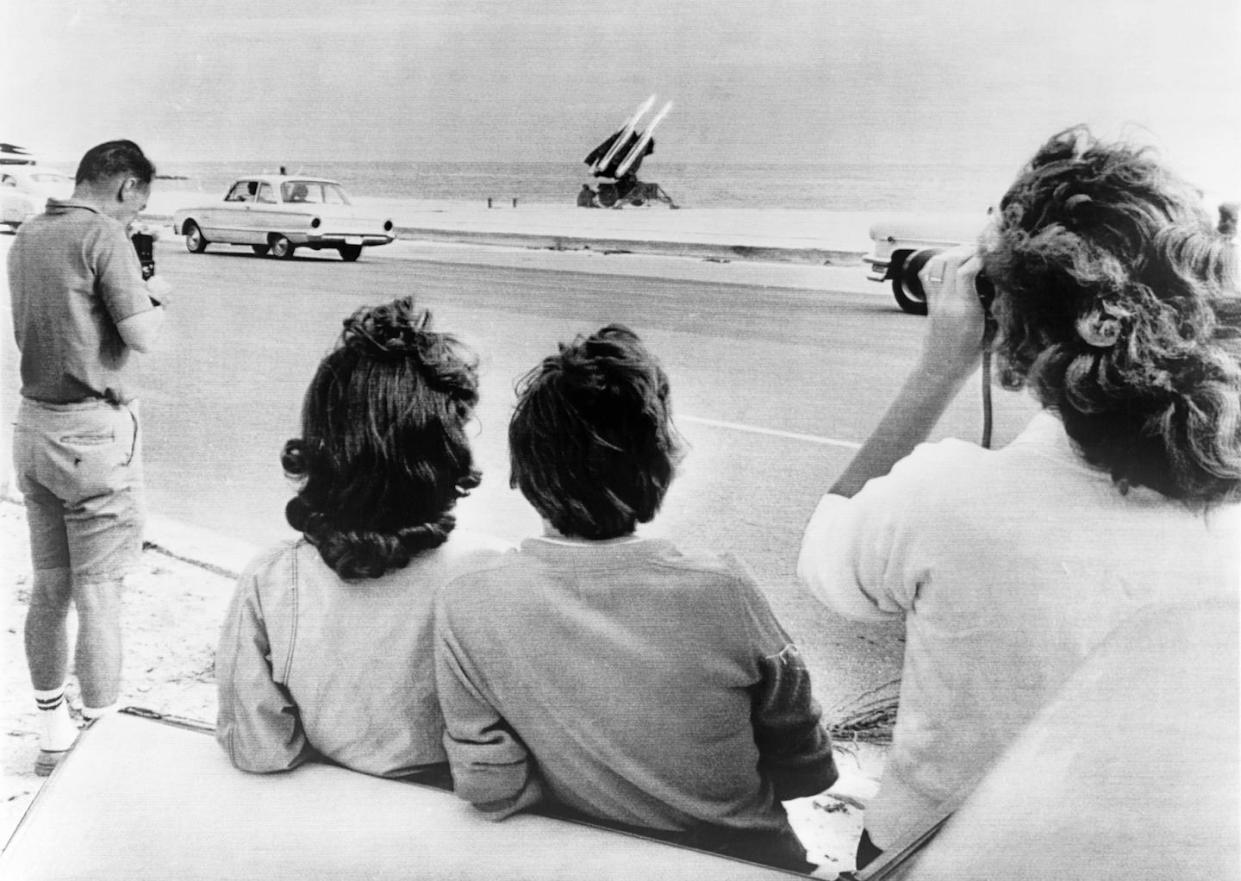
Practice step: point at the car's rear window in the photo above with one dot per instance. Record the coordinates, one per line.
(315, 192)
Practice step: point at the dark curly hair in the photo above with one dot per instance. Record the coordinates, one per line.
(384, 454)
(591, 442)
(1118, 305)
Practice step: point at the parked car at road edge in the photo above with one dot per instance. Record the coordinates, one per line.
(898, 238)
(25, 189)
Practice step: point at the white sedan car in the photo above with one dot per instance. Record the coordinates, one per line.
(25, 189)
(276, 214)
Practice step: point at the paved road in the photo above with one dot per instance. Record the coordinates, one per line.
(771, 388)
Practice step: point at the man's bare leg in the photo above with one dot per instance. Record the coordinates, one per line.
(47, 650)
(98, 656)
(47, 645)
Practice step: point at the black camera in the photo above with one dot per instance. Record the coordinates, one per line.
(913, 265)
(144, 244)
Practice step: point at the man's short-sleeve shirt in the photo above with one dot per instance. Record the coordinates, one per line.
(74, 276)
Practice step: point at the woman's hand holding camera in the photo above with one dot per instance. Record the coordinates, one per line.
(957, 322)
(951, 351)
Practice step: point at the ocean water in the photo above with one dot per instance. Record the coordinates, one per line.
(821, 186)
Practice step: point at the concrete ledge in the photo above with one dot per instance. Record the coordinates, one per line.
(722, 250)
(704, 250)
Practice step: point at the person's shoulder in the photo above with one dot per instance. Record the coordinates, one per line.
(468, 554)
(78, 214)
(265, 566)
(481, 582)
(939, 466)
(724, 567)
(467, 546)
(731, 599)
(471, 562)
(467, 551)
(97, 232)
(948, 453)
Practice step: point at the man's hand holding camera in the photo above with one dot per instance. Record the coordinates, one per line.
(158, 289)
(143, 239)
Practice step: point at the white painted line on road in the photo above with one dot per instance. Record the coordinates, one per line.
(771, 432)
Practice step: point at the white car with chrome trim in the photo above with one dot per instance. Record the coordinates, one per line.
(277, 214)
(25, 189)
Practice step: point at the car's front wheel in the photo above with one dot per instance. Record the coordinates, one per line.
(350, 253)
(280, 248)
(261, 250)
(905, 285)
(195, 241)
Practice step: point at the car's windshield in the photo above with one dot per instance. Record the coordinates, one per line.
(51, 177)
(316, 192)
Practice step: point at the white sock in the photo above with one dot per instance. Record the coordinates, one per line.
(57, 730)
(93, 713)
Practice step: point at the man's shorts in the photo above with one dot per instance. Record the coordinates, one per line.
(79, 467)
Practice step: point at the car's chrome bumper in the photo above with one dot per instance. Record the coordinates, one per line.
(879, 267)
(333, 239)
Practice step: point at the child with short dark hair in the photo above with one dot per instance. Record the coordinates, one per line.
(613, 676)
(327, 648)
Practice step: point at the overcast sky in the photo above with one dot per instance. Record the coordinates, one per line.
(837, 80)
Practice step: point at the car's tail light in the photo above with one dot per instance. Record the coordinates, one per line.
(387, 226)
(314, 222)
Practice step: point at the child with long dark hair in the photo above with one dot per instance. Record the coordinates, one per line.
(326, 651)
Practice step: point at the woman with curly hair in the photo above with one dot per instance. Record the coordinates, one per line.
(326, 651)
(1117, 305)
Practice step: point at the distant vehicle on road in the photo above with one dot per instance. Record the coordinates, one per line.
(277, 214)
(897, 241)
(25, 189)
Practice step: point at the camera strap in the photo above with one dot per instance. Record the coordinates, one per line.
(988, 337)
(986, 399)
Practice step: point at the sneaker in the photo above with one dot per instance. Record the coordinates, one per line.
(48, 760)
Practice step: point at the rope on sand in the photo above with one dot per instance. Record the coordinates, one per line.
(867, 717)
(201, 564)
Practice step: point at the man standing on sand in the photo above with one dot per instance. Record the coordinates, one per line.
(79, 306)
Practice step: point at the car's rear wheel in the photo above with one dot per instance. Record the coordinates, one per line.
(905, 285)
(350, 253)
(195, 241)
(261, 250)
(280, 248)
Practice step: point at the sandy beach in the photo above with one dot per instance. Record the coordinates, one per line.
(172, 614)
